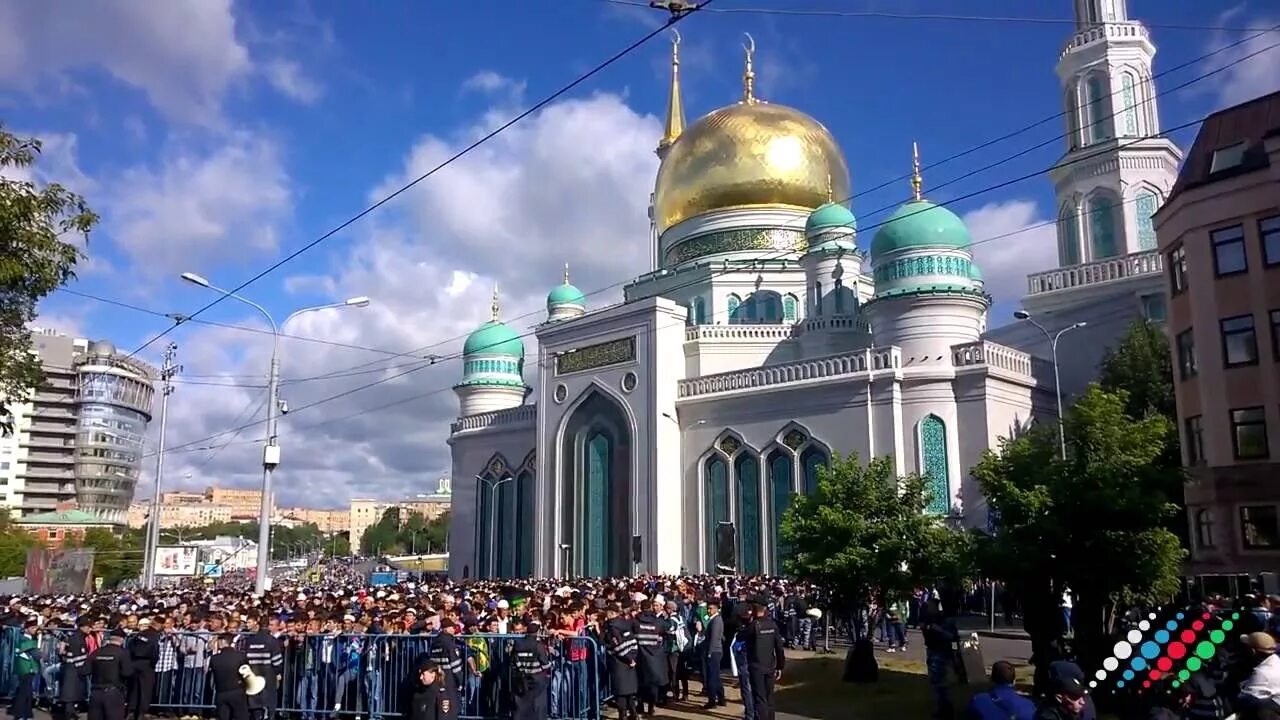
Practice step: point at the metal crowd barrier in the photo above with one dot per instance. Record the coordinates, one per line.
(366, 676)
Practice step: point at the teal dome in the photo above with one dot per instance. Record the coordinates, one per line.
(830, 215)
(565, 294)
(494, 338)
(920, 224)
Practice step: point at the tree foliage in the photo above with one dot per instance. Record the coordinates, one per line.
(394, 534)
(116, 558)
(1142, 366)
(1096, 523)
(864, 534)
(14, 544)
(35, 259)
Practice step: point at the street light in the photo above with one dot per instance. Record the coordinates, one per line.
(1057, 380)
(493, 518)
(271, 452)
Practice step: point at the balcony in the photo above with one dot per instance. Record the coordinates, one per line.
(744, 332)
(1108, 31)
(513, 416)
(1099, 272)
(825, 368)
(992, 355)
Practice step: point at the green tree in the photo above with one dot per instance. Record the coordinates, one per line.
(35, 259)
(1096, 523)
(1142, 366)
(115, 557)
(383, 536)
(865, 534)
(14, 544)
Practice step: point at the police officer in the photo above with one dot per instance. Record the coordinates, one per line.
(74, 651)
(267, 660)
(620, 641)
(110, 667)
(531, 674)
(144, 651)
(765, 660)
(432, 699)
(652, 660)
(229, 696)
(446, 654)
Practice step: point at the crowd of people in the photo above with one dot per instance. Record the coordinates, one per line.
(325, 643)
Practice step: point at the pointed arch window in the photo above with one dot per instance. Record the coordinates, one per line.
(747, 471)
(933, 456)
(839, 293)
(752, 308)
(717, 501)
(781, 488)
(817, 299)
(733, 304)
(1102, 227)
(484, 526)
(789, 306)
(1072, 103)
(1129, 96)
(1097, 105)
(699, 311)
(811, 460)
(524, 531)
(599, 459)
(507, 529)
(1145, 207)
(1068, 236)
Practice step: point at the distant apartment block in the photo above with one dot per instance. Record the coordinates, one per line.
(1219, 237)
(366, 512)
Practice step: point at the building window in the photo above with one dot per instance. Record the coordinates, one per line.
(1186, 343)
(1249, 433)
(933, 455)
(1178, 269)
(1145, 207)
(1096, 105)
(1275, 334)
(1204, 528)
(1068, 236)
(1260, 527)
(1102, 227)
(699, 311)
(733, 304)
(1130, 105)
(1269, 231)
(1195, 440)
(1153, 308)
(1228, 250)
(789, 306)
(1227, 158)
(817, 299)
(1239, 341)
(839, 293)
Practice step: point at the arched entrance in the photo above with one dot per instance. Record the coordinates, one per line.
(595, 488)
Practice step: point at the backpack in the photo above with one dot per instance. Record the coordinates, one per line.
(681, 637)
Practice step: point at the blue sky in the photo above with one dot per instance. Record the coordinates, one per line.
(218, 137)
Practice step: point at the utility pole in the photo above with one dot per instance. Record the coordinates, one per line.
(167, 371)
(270, 459)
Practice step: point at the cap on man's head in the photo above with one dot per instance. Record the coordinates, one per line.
(119, 633)
(1070, 687)
(1260, 641)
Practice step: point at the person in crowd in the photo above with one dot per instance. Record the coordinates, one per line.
(621, 645)
(712, 656)
(940, 636)
(531, 673)
(1259, 697)
(144, 653)
(109, 669)
(230, 696)
(766, 660)
(431, 699)
(1065, 702)
(26, 668)
(1001, 701)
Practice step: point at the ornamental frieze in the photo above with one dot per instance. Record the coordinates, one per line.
(924, 265)
(780, 239)
(614, 352)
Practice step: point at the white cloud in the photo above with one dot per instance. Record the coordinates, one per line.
(182, 53)
(1253, 77)
(195, 207)
(1012, 239)
(288, 77)
(571, 183)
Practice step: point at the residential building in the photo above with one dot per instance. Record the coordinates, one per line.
(246, 505)
(1219, 235)
(330, 522)
(180, 515)
(55, 528)
(365, 512)
(46, 429)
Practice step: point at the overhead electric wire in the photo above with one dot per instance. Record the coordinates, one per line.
(671, 21)
(888, 15)
(263, 399)
(963, 153)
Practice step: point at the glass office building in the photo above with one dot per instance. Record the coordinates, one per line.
(113, 406)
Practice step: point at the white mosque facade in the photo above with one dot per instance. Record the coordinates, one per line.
(670, 432)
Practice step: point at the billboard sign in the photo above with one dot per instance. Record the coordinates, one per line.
(56, 572)
(177, 560)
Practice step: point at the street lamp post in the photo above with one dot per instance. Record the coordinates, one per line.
(1057, 379)
(493, 518)
(271, 452)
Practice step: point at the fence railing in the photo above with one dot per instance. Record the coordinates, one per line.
(331, 675)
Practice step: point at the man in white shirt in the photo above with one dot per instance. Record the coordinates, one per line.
(1261, 691)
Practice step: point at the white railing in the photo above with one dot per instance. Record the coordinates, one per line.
(510, 416)
(848, 322)
(992, 355)
(1146, 262)
(737, 332)
(1103, 32)
(884, 358)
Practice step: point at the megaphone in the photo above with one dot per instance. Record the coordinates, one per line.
(253, 684)
(815, 613)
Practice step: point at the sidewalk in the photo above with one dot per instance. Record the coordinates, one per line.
(982, 625)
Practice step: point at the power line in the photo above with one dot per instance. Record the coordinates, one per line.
(929, 16)
(676, 16)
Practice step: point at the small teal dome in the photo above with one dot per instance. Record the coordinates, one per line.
(494, 338)
(920, 224)
(830, 215)
(565, 294)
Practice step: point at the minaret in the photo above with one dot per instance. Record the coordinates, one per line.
(1106, 193)
(675, 105)
(492, 367)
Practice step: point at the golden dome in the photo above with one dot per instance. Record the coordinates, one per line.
(750, 154)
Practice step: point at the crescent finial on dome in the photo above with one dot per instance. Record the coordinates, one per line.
(675, 104)
(749, 74)
(494, 307)
(566, 273)
(917, 182)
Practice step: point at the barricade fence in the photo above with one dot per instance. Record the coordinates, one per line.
(327, 675)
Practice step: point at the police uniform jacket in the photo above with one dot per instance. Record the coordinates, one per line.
(74, 668)
(652, 661)
(764, 646)
(225, 666)
(144, 648)
(620, 640)
(531, 665)
(265, 657)
(444, 653)
(437, 701)
(109, 667)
